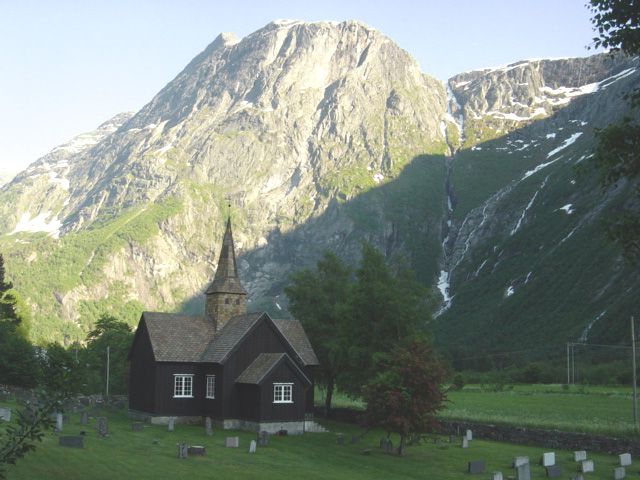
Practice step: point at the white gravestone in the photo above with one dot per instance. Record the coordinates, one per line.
(548, 459)
(496, 476)
(625, 459)
(517, 461)
(587, 466)
(523, 472)
(619, 473)
(232, 442)
(465, 442)
(252, 446)
(469, 435)
(5, 414)
(58, 422)
(579, 456)
(170, 424)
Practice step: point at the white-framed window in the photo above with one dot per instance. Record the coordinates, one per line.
(183, 385)
(211, 386)
(282, 393)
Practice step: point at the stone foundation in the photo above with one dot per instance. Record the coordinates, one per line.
(292, 428)
(163, 420)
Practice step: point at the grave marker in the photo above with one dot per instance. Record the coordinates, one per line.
(196, 450)
(5, 414)
(340, 439)
(523, 472)
(208, 427)
(580, 456)
(58, 422)
(587, 466)
(232, 442)
(263, 438)
(517, 461)
(73, 441)
(476, 466)
(548, 459)
(465, 442)
(102, 426)
(625, 459)
(137, 426)
(84, 418)
(619, 473)
(554, 471)
(252, 446)
(183, 451)
(469, 435)
(496, 476)
(170, 424)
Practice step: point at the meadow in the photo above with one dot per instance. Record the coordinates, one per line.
(151, 453)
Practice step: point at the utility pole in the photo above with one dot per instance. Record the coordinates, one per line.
(635, 388)
(568, 366)
(107, 393)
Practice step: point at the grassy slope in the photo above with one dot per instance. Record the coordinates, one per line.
(127, 454)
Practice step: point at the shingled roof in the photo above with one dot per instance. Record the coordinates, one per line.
(296, 336)
(229, 336)
(265, 363)
(226, 279)
(178, 338)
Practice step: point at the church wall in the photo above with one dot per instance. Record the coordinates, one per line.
(278, 412)
(166, 404)
(142, 373)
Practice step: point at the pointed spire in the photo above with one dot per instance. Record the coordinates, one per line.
(226, 279)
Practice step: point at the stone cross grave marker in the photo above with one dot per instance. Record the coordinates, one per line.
(208, 427)
(5, 414)
(59, 422)
(183, 450)
(587, 466)
(517, 461)
(170, 424)
(548, 459)
(340, 439)
(263, 438)
(554, 471)
(469, 435)
(523, 472)
(102, 426)
(73, 441)
(137, 426)
(84, 418)
(619, 473)
(252, 446)
(579, 456)
(232, 442)
(476, 466)
(465, 442)
(625, 459)
(496, 476)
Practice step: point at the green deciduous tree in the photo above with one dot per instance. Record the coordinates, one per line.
(405, 393)
(18, 361)
(320, 300)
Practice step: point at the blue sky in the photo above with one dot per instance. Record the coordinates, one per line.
(67, 66)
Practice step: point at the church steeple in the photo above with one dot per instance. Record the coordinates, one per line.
(226, 297)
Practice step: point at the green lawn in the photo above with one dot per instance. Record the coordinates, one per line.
(128, 454)
(606, 410)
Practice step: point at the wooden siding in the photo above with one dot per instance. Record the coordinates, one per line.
(276, 412)
(142, 373)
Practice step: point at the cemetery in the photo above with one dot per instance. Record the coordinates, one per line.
(104, 443)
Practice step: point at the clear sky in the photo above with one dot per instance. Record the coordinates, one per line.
(67, 66)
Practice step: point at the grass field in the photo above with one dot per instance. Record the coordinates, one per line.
(151, 453)
(605, 410)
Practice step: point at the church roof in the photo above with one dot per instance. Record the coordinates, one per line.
(226, 279)
(192, 338)
(263, 364)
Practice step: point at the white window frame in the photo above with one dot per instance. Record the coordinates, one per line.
(211, 386)
(283, 393)
(183, 385)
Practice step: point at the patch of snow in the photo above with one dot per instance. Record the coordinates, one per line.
(567, 208)
(550, 135)
(443, 129)
(510, 291)
(378, 177)
(524, 212)
(477, 272)
(165, 148)
(517, 118)
(278, 305)
(568, 236)
(459, 120)
(573, 182)
(565, 144)
(526, 280)
(443, 286)
(584, 336)
(38, 223)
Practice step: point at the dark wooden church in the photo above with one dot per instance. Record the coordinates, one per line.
(244, 370)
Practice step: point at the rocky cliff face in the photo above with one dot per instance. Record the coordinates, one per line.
(321, 135)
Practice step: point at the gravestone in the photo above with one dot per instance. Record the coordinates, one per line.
(465, 442)
(5, 414)
(386, 445)
(340, 439)
(84, 418)
(137, 426)
(517, 461)
(625, 459)
(58, 422)
(366, 451)
(208, 427)
(548, 459)
(554, 471)
(586, 466)
(469, 435)
(170, 424)
(183, 451)
(196, 450)
(523, 472)
(263, 438)
(476, 466)
(232, 442)
(619, 473)
(496, 476)
(252, 446)
(102, 426)
(579, 456)
(73, 441)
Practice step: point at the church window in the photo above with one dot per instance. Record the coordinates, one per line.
(237, 301)
(282, 393)
(211, 386)
(227, 301)
(183, 385)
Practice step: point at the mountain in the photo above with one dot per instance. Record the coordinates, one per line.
(319, 136)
